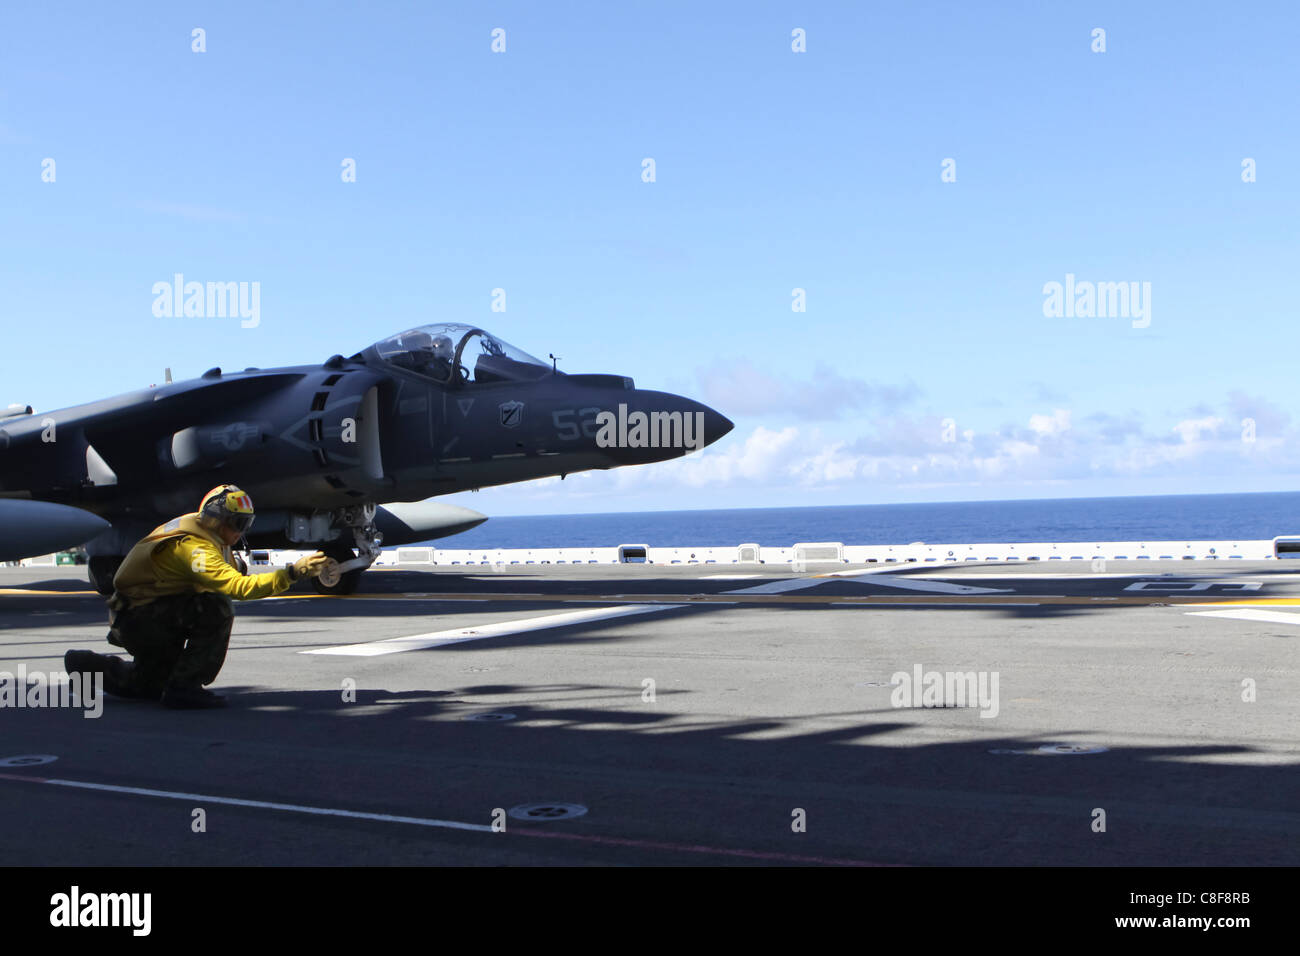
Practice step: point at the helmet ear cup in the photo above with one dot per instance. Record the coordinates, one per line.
(214, 503)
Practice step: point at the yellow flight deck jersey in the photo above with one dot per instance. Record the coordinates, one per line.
(182, 557)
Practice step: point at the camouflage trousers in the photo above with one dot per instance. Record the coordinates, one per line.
(178, 641)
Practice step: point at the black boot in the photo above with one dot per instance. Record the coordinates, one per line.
(86, 662)
(191, 698)
(117, 673)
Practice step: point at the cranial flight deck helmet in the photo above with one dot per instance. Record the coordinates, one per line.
(229, 505)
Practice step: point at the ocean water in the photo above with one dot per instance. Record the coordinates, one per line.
(1155, 518)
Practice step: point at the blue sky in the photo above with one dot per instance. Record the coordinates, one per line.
(775, 170)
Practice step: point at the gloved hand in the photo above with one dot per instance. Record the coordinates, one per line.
(310, 566)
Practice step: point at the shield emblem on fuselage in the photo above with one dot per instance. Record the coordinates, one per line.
(512, 413)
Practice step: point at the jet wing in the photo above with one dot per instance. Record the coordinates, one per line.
(119, 436)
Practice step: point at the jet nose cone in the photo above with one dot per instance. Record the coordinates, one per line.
(716, 425)
(655, 426)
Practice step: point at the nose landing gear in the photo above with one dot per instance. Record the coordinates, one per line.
(343, 574)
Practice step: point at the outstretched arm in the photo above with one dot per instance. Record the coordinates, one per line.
(202, 565)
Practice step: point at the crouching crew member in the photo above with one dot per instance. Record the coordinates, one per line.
(171, 607)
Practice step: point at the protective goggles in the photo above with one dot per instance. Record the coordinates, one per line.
(239, 522)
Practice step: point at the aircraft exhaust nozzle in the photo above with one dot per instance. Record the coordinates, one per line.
(31, 528)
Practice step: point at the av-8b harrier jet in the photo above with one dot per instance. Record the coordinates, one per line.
(341, 456)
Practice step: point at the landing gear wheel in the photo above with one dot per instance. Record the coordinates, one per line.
(335, 583)
(101, 569)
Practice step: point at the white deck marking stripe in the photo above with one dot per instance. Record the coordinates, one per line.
(415, 642)
(444, 824)
(884, 577)
(397, 645)
(938, 587)
(930, 604)
(1251, 614)
(262, 804)
(780, 586)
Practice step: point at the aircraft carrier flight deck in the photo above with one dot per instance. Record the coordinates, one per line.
(1126, 712)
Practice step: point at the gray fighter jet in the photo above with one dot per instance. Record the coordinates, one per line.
(341, 456)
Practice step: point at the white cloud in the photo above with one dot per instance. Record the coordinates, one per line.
(1053, 424)
(764, 455)
(1191, 428)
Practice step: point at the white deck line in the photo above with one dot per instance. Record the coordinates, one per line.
(416, 642)
(254, 804)
(459, 635)
(1251, 614)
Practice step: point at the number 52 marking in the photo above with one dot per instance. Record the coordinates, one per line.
(566, 429)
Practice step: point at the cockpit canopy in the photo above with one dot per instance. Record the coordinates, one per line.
(458, 354)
